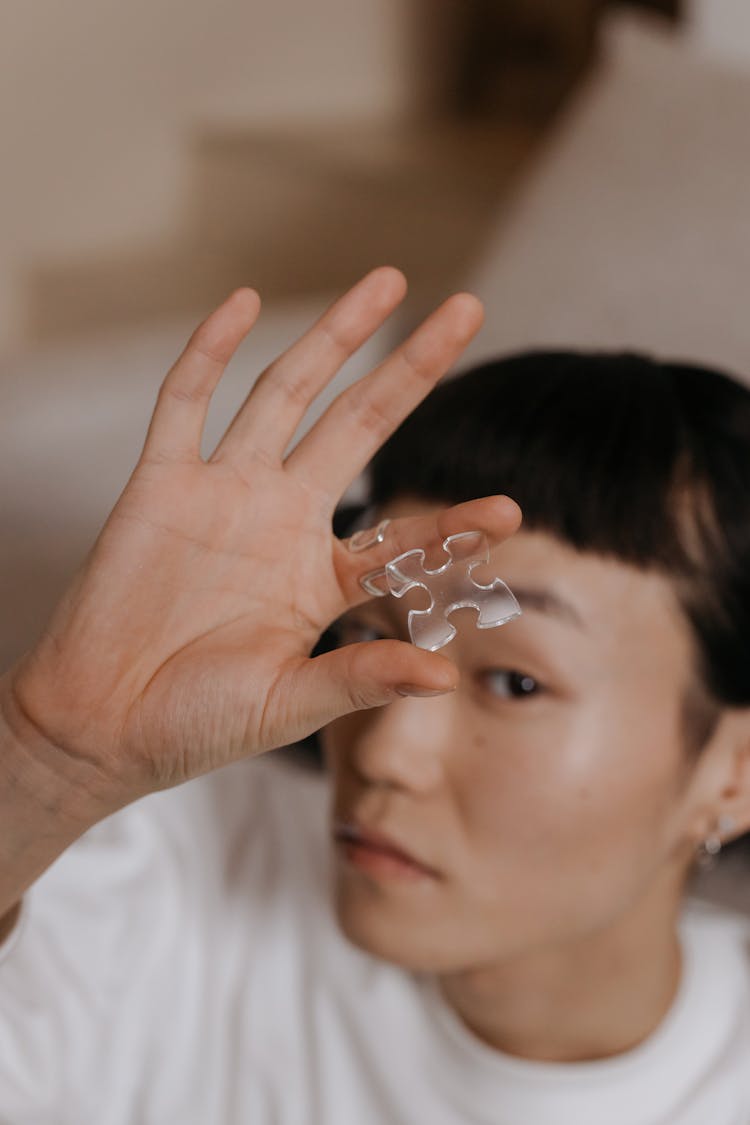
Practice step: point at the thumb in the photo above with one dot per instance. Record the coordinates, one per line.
(357, 677)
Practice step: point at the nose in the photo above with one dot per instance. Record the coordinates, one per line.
(405, 744)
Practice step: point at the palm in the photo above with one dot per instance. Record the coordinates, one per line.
(184, 640)
(243, 583)
(262, 553)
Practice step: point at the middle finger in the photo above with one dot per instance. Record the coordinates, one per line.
(270, 415)
(357, 423)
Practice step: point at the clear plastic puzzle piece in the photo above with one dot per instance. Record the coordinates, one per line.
(450, 587)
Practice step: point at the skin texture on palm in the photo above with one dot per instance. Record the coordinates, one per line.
(183, 642)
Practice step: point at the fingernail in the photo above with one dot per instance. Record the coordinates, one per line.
(421, 692)
(368, 537)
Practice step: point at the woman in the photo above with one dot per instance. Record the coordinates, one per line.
(506, 939)
(594, 749)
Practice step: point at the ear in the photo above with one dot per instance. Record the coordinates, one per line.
(720, 788)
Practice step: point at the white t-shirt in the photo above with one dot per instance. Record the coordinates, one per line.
(181, 965)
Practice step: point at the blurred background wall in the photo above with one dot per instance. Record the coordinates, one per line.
(582, 165)
(723, 28)
(136, 137)
(98, 101)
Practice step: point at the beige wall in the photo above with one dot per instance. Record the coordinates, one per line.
(722, 27)
(97, 98)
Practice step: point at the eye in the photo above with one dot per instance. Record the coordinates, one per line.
(506, 684)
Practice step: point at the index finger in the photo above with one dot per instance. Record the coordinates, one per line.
(498, 517)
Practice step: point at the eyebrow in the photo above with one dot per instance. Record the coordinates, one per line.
(536, 599)
(539, 600)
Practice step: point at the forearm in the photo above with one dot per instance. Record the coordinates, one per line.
(46, 803)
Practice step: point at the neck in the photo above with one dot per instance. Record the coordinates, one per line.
(592, 998)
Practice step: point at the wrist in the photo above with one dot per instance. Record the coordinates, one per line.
(44, 774)
(48, 799)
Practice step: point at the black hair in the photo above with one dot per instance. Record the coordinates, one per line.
(618, 454)
(621, 455)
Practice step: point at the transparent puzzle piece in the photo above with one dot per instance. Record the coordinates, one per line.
(450, 587)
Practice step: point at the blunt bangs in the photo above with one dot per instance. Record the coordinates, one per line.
(615, 454)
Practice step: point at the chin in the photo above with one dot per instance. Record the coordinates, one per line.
(398, 933)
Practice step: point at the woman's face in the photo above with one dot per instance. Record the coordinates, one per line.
(546, 794)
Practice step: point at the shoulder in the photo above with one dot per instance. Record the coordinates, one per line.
(231, 841)
(256, 821)
(183, 915)
(716, 955)
(712, 929)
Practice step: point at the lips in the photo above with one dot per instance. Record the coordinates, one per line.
(349, 832)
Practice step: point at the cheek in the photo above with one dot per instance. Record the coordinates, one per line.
(566, 813)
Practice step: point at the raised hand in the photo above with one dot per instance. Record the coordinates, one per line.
(184, 640)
